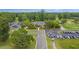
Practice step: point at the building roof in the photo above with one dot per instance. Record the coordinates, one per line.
(39, 23)
(15, 25)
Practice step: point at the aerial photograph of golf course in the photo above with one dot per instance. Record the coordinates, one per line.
(39, 28)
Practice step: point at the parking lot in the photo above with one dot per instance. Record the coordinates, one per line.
(63, 34)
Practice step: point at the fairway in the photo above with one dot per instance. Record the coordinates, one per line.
(71, 25)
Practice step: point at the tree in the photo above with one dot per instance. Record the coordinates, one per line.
(42, 15)
(52, 24)
(4, 29)
(27, 23)
(21, 39)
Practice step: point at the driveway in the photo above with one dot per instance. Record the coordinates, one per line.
(41, 39)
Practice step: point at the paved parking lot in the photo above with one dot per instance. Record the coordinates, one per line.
(63, 35)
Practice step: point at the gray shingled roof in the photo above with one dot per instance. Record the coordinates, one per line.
(38, 23)
(14, 25)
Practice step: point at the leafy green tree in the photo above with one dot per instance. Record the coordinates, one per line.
(27, 23)
(21, 39)
(52, 24)
(42, 15)
(4, 28)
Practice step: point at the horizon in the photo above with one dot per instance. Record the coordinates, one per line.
(39, 10)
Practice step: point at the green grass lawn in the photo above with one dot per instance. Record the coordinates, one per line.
(49, 43)
(67, 43)
(5, 45)
(71, 25)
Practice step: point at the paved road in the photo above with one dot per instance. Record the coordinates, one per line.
(41, 39)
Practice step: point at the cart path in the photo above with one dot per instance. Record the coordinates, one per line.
(54, 45)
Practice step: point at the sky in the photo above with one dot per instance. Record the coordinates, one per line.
(38, 10)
